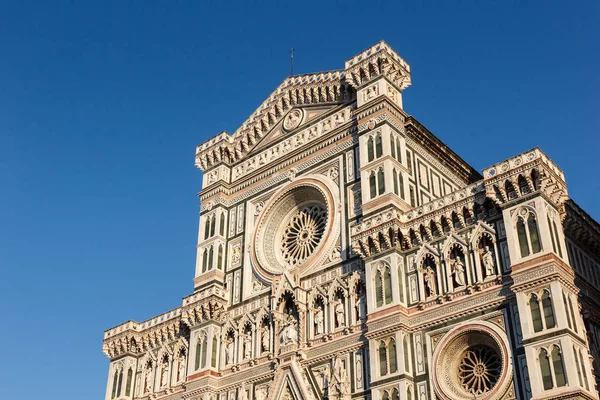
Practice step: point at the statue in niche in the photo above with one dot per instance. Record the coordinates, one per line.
(265, 338)
(319, 319)
(260, 393)
(459, 272)
(359, 303)
(181, 370)
(339, 313)
(429, 279)
(228, 351)
(339, 379)
(164, 372)
(324, 381)
(247, 346)
(488, 261)
(289, 332)
(148, 379)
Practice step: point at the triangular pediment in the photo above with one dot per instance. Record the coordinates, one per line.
(290, 384)
(285, 283)
(319, 89)
(307, 115)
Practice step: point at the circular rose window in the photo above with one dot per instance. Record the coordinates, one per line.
(303, 233)
(295, 229)
(479, 369)
(471, 361)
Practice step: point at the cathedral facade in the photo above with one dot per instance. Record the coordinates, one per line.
(345, 252)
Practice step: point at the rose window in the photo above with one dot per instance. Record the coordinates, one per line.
(303, 233)
(471, 361)
(297, 229)
(479, 369)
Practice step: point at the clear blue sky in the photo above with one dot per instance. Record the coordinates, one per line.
(101, 105)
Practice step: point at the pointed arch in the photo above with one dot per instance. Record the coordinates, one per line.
(574, 318)
(204, 260)
(565, 305)
(370, 149)
(393, 356)
(222, 224)
(382, 359)
(220, 257)
(206, 227)
(380, 181)
(213, 358)
(387, 285)
(544, 362)
(128, 382)
(379, 288)
(114, 385)
(212, 225)
(578, 367)
(372, 185)
(535, 179)
(549, 320)
(407, 353)
(210, 257)
(198, 354)
(204, 351)
(584, 370)
(378, 145)
(536, 315)
(523, 185)
(522, 236)
(558, 366)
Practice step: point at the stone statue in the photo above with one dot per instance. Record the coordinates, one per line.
(181, 371)
(319, 318)
(228, 351)
(248, 346)
(359, 305)
(265, 339)
(259, 394)
(459, 272)
(289, 332)
(429, 278)
(339, 380)
(339, 313)
(164, 373)
(488, 261)
(148, 380)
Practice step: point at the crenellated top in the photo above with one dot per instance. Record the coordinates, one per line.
(134, 337)
(134, 326)
(532, 155)
(505, 182)
(380, 47)
(322, 88)
(378, 60)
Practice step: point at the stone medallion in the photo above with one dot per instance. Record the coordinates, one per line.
(293, 119)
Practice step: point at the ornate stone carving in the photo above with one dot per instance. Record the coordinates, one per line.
(472, 360)
(293, 119)
(297, 226)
